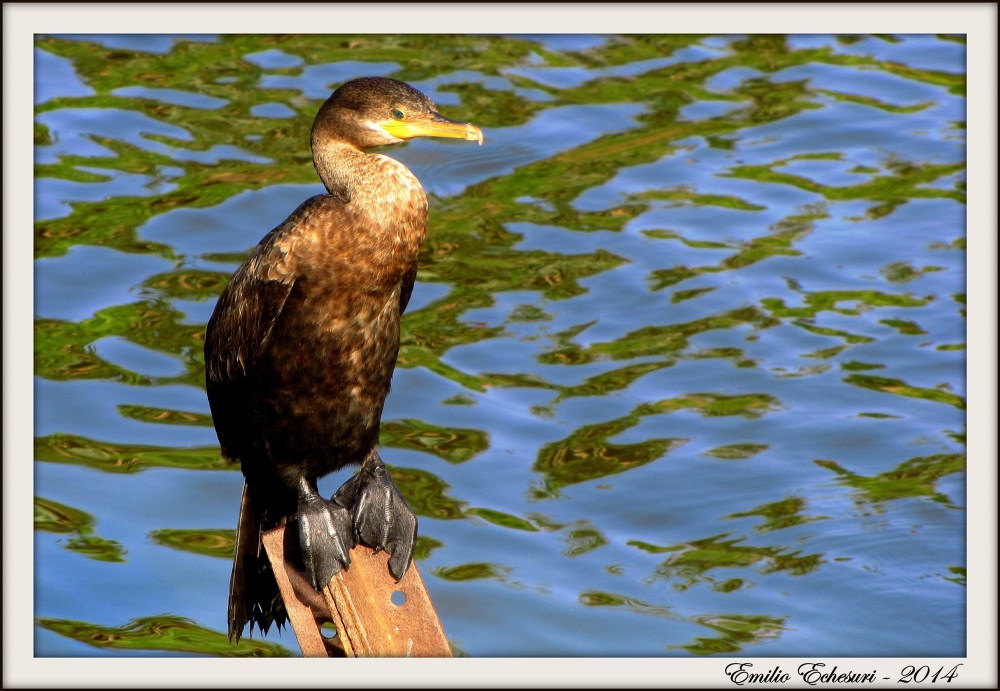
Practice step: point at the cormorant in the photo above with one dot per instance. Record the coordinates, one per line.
(300, 350)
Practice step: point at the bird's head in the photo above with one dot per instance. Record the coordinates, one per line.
(375, 111)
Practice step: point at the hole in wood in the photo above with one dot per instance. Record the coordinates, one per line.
(398, 598)
(328, 631)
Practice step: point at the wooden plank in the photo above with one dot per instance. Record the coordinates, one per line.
(307, 610)
(374, 616)
(376, 626)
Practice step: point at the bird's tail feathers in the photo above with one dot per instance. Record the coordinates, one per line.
(254, 597)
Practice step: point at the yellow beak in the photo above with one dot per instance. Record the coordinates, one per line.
(432, 125)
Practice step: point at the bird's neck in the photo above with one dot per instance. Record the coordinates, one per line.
(368, 181)
(383, 198)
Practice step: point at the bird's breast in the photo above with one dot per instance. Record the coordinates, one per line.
(348, 252)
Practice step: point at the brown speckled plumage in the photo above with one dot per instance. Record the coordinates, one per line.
(301, 348)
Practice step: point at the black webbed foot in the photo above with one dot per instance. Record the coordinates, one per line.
(381, 517)
(325, 534)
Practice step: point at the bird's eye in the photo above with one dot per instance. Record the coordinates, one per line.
(397, 114)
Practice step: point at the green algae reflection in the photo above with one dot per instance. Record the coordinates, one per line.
(588, 454)
(900, 388)
(690, 563)
(731, 633)
(162, 633)
(912, 478)
(904, 181)
(212, 543)
(655, 340)
(125, 458)
(451, 444)
(426, 493)
(778, 515)
(163, 416)
(736, 452)
(53, 517)
(475, 571)
(64, 350)
(221, 542)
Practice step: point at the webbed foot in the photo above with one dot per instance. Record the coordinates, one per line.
(325, 534)
(380, 515)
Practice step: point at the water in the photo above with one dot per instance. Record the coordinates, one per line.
(683, 373)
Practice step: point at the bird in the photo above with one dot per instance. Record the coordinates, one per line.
(303, 341)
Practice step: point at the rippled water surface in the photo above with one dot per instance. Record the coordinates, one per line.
(683, 373)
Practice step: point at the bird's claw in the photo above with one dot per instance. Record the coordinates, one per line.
(326, 537)
(381, 518)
